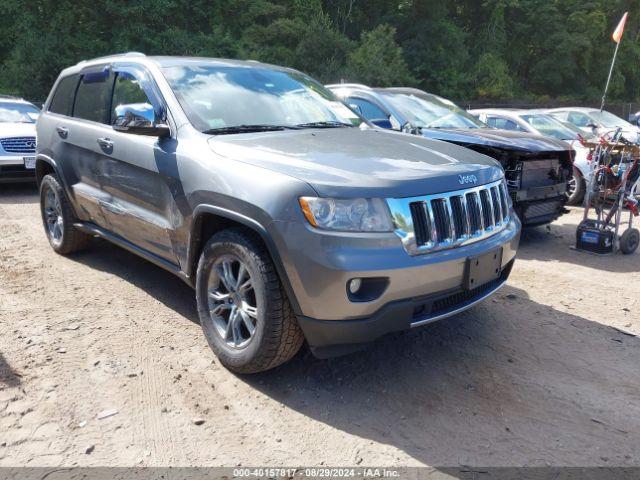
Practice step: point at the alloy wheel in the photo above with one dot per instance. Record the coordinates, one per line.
(53, 215)
(232, 301)
(571, 186)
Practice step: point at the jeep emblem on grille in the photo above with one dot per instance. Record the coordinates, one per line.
(464, 179)
(30, 144)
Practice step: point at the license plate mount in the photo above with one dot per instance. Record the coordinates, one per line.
(29, 162)
(483, 269)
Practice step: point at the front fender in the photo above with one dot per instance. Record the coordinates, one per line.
(266, 233)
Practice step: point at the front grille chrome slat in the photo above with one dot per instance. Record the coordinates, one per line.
(497, 206)
(466, 215)
(459, 214)
(421, 223)
(442, 220)
(487, 210)
(432, 222)
(452, 225)
(478, 197)
(475, 213)
(446, 220)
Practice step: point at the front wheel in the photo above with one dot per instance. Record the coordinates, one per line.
(243, 309)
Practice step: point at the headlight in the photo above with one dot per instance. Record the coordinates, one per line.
(354, 215)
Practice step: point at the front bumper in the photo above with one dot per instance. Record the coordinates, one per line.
(539, 205)
(420, 289)
(12, 169)
(331, 338)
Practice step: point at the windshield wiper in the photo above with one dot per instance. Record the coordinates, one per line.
(246, 128)
(325, 124)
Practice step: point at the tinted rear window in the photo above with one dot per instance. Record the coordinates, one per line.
(62, 100)
(93, 97)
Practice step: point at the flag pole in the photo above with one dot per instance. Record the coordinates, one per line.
(617, 37)
(613, 62)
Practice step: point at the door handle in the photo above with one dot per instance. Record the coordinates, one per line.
(63, 132)
(105, 143)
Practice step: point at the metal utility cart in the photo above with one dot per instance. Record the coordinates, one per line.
(613, 187)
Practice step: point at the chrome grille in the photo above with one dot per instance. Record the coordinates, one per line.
(19, 144)
(446, 220)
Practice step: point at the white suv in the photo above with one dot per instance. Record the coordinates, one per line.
(17, 139)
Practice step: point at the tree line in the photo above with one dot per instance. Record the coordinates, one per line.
(487, 50)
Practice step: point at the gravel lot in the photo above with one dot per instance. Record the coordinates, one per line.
(538, 375)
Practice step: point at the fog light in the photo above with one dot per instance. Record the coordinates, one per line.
(366, 289)
(354, 285)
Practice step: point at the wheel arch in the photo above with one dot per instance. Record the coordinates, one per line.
(44, 166)
(209, 220)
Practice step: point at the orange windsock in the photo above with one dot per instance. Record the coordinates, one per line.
(617, 33)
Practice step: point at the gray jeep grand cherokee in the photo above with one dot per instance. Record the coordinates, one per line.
(291, 217)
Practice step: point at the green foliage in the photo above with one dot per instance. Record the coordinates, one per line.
(435, 46)
(490, 49)
(492, 79)
(378, 59)
(322, 50)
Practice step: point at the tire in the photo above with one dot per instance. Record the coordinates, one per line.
(629, 241)
(576, 196)
(58, 219)
(276, 335)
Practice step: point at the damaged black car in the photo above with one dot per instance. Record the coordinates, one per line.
(537, 168)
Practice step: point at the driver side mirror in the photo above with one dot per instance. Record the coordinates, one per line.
(592, 126)
(139, 119)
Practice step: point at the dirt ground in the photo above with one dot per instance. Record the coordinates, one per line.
(538, 375)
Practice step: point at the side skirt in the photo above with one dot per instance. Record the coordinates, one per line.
(92, 229)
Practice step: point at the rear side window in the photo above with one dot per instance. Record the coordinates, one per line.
(492, 122)
(62, 101)
(368, 109)
(503, 124)
(93, 98)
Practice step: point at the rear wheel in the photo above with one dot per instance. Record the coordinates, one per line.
(576, 188)
(243, 309)
(57, 218)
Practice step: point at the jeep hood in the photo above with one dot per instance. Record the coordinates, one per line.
(360, 162)
(499, 139)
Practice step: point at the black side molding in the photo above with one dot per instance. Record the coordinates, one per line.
(93, 229)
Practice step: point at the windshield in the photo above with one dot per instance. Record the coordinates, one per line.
(578, 131)
(608, 119)
(431, 111)
(11, 112)
(549, 126)
(220, 98)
